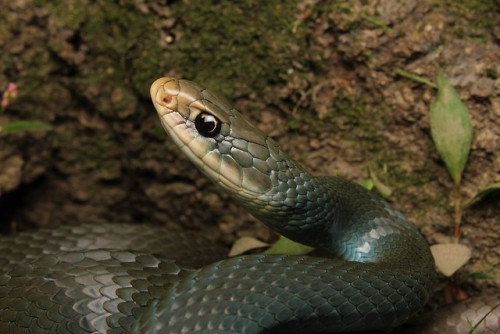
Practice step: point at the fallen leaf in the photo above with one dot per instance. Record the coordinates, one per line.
(450, 257)
(244, 244)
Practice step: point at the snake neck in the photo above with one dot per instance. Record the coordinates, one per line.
(332, 213)
(294, 204)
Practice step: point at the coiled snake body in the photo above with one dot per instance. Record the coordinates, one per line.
(77, 279)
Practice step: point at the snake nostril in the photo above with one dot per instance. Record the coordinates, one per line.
(167, 99)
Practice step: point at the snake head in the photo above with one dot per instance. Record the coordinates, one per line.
(216, 138)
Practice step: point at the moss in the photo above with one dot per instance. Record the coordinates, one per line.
(105, 45)
(247, 42)
(133, 41)
(94, 154)
(70, 14)
(473, 19)
(346, 112)
(491, 73)
(123, 43)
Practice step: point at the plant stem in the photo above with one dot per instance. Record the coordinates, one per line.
(457, 206)
(415, 77)
(377, 23)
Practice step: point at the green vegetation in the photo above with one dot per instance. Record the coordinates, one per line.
(452, 132)
(249, 43)
(126, 38)
(9, 94)
(471, 18)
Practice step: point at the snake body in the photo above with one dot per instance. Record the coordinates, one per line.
(77, 279)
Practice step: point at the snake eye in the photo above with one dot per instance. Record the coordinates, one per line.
(207, 125)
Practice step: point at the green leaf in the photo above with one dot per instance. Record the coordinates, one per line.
(20, 126)
(382, 188)
(483, 192)
(451, 128)
(482, 275)
(288, 247)
(366, 183)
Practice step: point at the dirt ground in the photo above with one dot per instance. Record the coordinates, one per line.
(320, 78)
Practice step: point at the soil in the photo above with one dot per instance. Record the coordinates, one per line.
(317, 76)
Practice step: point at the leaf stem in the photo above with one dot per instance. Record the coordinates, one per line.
(415, 78)
(457, 216)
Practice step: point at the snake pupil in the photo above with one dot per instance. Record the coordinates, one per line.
(207, 125)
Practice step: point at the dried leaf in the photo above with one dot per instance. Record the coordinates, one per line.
(451, 128)
(450, 257)
(483, 192)
(289, 247)
(244, 244)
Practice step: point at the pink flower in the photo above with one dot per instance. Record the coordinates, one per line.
(9, 94)
(11, 90)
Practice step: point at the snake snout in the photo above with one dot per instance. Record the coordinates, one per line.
(164, 92)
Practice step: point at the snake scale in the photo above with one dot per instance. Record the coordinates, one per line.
(109, 278)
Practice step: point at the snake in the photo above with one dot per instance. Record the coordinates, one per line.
(105, 277)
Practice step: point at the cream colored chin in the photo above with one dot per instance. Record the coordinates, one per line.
(223, 170)
(220, 179)
(213, 165)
